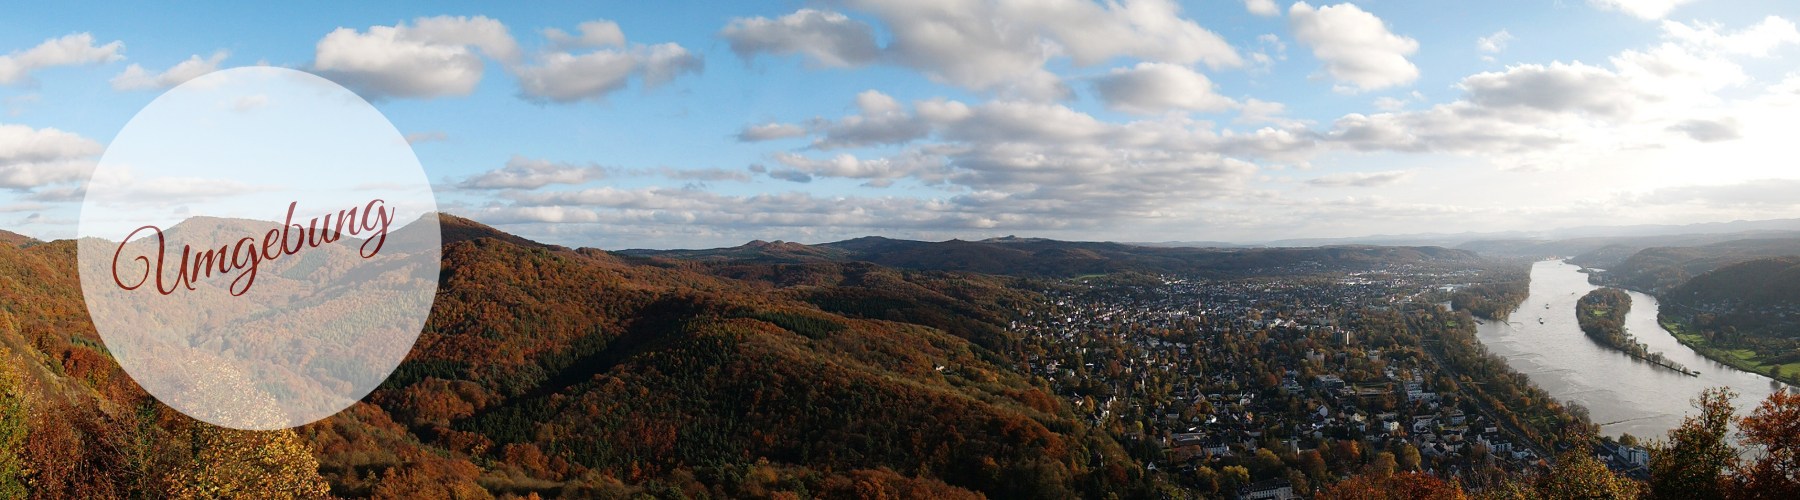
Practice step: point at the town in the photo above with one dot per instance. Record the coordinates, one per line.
(1261, 387)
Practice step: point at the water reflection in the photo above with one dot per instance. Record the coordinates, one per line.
(1624, 394)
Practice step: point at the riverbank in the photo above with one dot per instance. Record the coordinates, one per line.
(1621, 393)
(1601, 315)
(1742, 359)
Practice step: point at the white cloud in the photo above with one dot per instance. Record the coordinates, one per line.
(880, 172)
(1270, 49)
(596, 33)
(562, 76)
(828, 39)
(1385, 103)
(961, 44)
(1643, 9)
(1265, 8)
(135, 77)
(1259, 111)
(527, 173)
(565, 77)
(1752, 193)
(1151, 88)
(770, 132)
(882, 121)
(1355, 46)
(1557, 87)
(1016, 156)
(663, 62)
(1495, 43)
(31, 158)
(70, 50)
(1723, 129)
(1755, 41)
(432, 57)
(1360, 179)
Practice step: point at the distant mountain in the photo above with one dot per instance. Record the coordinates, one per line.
(1052, 258)
(1750, 284)
(1192, 244)
(1661, 268)
(1607, 251)
(1561, 241)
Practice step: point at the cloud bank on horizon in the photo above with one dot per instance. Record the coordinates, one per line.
(629, 125)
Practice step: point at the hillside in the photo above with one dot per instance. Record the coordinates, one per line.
(577, 372)
(1034, 257)
(1758, 297)
(1744, 314)
(1609, 251)
(1659, 269)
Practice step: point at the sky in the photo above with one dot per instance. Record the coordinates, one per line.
(702, 124)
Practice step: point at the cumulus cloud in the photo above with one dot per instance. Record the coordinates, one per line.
(135, 77)
(596, 33)
(1269, 49)
(1016, 155)
(527, 173)
(1457, 127)
(1359, 179)
(1557, 87)
(1355, 46)
(563, 76)
(1723, 129)
(1753, 193)
(1389, 103)
(879, 172)
(1755, 41)
(1256, 111)
(1018, 162)
(1265, 8)
(828, 39)
(791, 176)
(76, 49)
(1642, 9)
(431, 57)
(691, 174)
(1495, 43)
(882, 121)
(769, 132)
(961, 44)
(32, 158)
(1150, 88)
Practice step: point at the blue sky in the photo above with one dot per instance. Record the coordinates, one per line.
(1141, 120)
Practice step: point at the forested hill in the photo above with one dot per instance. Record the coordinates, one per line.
(1659, 269)
(1755, 298)
(1051, 258)
(574, 372)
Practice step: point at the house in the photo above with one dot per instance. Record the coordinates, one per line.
(1328, 382)
(1632, 455)
(1272, 489)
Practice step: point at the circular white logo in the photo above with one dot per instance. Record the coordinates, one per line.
(259, 248)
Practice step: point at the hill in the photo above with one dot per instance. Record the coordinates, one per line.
(576, 372)
(1033, 257)
(1659, 269)
(1744, 314)
(1760, 296)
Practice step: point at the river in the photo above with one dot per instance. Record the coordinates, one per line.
(1624, 394)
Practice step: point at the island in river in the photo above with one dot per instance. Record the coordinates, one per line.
(1601, 315)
